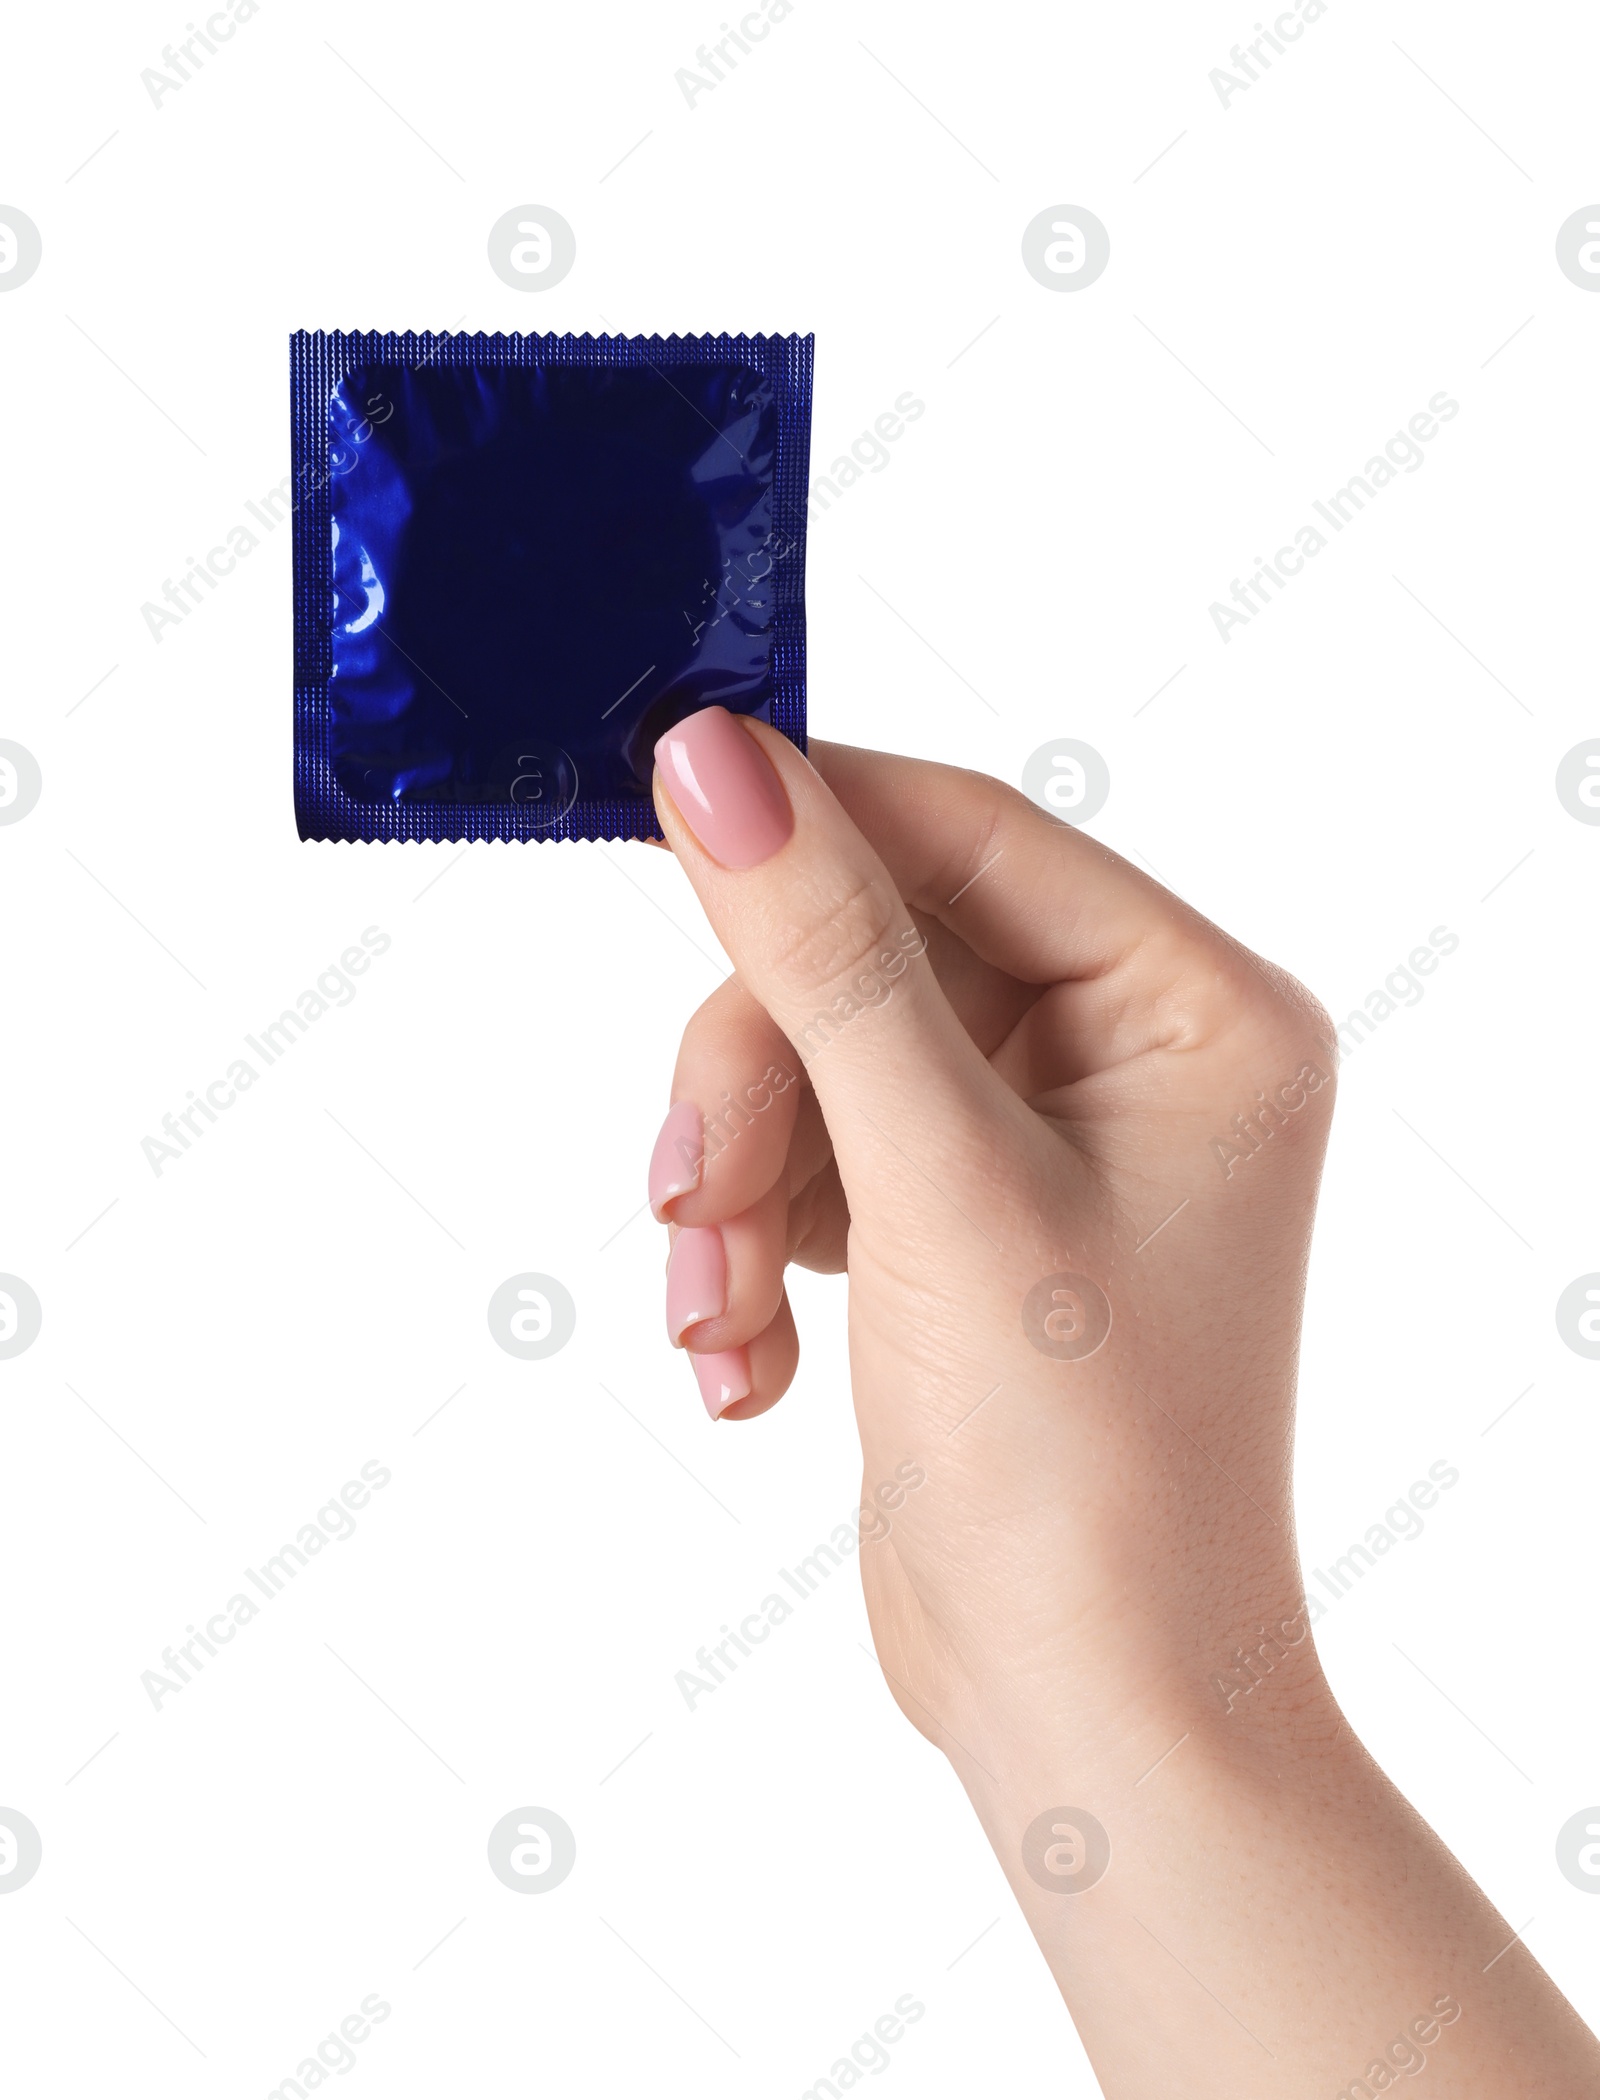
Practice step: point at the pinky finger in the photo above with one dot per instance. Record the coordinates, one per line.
(736, 1384)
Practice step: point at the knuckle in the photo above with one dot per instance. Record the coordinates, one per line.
(976, 853)
(1284, 1023)
(836, 939)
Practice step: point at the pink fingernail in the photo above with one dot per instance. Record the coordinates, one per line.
(679, 1156)
(697, 1279)
(725, 788)
(724, 1378)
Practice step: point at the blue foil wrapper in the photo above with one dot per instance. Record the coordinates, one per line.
(518, 560)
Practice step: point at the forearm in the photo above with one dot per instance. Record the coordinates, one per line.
(1274, 1919)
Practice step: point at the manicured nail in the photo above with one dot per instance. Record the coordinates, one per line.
(679, 1156)
(697, 1279)
(724, 1378)
(724, 788)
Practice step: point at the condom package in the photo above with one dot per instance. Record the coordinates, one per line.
(518, 560)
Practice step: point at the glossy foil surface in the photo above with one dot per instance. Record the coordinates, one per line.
(540, 552)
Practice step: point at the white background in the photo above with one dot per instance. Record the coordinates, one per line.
(1370, 759)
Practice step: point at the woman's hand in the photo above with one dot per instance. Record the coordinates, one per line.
(1064, 1135)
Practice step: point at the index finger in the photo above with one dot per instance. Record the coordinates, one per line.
(1043, 900)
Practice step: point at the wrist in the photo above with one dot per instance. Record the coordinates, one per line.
(1106, 1701)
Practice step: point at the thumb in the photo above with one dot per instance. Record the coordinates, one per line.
(821, 937)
